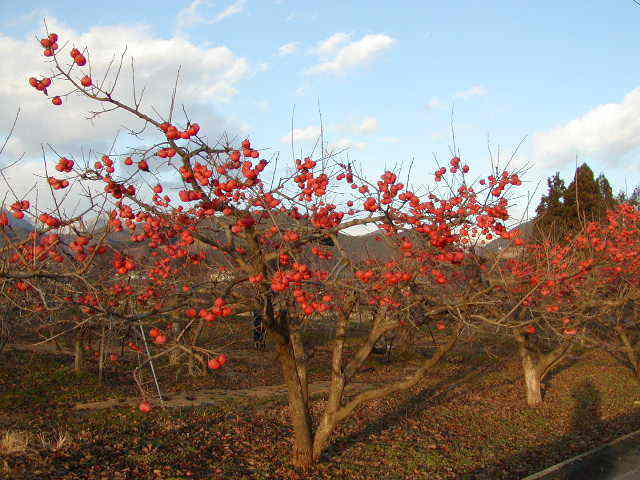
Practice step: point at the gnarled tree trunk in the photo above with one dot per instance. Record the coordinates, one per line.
(78, 353)
(536, 365)
(630, 351)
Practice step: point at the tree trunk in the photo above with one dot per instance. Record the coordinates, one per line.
(101, 355)
(174, 356)
(78, 356)
(301, 363)
(299, 409)
(531, 368)
(630, 351)
(536, 365)
(532, 379)
(336, 387)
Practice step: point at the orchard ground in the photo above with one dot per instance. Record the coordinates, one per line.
(467, 419)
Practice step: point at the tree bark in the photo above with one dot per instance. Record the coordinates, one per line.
(101, 355)
(301, 363)
(536, 366)
(174, 356)
(78, 355)
(532, 377)
(336, 387)
(299, 408)
(630, 351)
(278, 325)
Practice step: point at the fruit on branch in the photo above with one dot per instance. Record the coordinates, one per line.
(145, 407)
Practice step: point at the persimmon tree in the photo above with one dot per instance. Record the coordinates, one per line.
(557, 290)
(211, 232)
(614, 244)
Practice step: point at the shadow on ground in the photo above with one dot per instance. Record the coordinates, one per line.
(586, 422)
(442, 391)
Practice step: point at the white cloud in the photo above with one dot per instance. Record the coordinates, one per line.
(346, 143)
(331, 44)
(475, 91)
(365, 126)
(263, 67)
(368, 125)
(233, 9)
(353, 55)
(312, 132)
(288, 48)
(207, 75)
(189, 16)
(605, 133)
(434, 103)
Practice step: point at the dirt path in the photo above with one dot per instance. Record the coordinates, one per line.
(257, 395)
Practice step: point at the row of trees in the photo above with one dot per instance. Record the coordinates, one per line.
(194, 235)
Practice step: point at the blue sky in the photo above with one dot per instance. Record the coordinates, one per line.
(386, 75)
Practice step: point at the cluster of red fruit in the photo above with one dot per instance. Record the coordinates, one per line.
(216, 363)
(256, 278)
(78, 245)
(49, 220)
(64, 165)
(166, 153)
(117, 190)
(370, 205)
(106, 163)
(50, 44)
(252, 173)
(123, 265)
(173, 133)
(57, 184)
(157, 335)
(247, 151)
(307, 182)
(220, 309)
(291, 236)
(190, 195)
(365, 275)
(78, 58)
(455, 166)
(326, 217)
(309, 305)
(283, 278)
(324, 254)
(40, 85)
(18, 208)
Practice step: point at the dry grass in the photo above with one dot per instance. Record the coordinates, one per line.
(14, 442)
(58, 442)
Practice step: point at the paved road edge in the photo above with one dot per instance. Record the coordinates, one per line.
(564, 463)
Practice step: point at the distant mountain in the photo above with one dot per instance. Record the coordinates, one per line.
(526, 232)
(18, 226)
